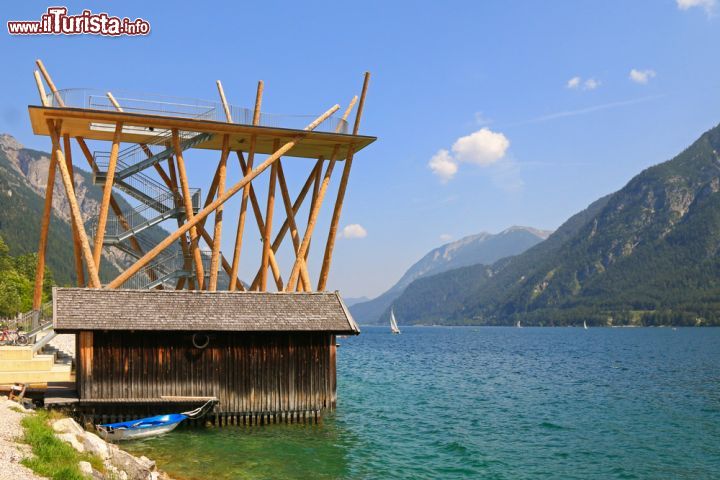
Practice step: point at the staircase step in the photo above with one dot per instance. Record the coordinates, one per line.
(58, 373)
(41, 363)
(16, 353)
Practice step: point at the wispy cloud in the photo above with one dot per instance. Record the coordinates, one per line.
(445, 237)
(641, 76)
(577, 82)
(588, 110)
(708, 5)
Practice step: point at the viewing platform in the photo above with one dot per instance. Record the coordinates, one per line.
(90, 114)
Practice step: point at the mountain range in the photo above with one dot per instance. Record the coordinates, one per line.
(483, 248)
(645, 255)
(23, 180)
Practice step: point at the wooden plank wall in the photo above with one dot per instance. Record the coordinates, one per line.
(251, 373)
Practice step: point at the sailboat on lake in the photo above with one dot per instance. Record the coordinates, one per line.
(585, 325)
(393, 323)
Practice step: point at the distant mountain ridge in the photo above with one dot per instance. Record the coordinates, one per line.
(483, 248)
(648, 254)
(23, 179)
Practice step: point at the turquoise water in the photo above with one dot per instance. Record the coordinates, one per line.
(495, 403)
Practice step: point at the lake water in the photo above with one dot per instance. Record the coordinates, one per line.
(495, 403)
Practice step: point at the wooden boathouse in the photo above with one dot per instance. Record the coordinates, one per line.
(184, 320)
(266, 357)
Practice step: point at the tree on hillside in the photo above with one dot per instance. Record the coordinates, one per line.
(17, 276)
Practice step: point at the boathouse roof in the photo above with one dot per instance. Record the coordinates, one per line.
(76, 309)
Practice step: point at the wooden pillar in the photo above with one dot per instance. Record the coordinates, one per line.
(79, 272)
(313, 220)
(267, 234)
(85, 363)
(214, 263)
(184, 244)
(237, 251)
(41, 89)
(337, 211)
(94, 280)
(290, 215)
(107, 193)
(189, 214)
(285, 226)
(123, 277)
(44, 228)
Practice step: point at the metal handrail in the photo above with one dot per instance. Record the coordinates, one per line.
(151, 104)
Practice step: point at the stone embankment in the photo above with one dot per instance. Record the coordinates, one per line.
(119, 465)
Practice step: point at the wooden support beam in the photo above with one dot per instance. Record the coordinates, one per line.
(50, 83)
(184, 244)
(113, 203)
(171, 183)
(237, 250)
(285, 226)
(261, 228)
(107, 192)
(311, 223)
(41, 89)
(123, 277)
(94, 280)
(337, 211)
(267, 233)
(214, 260)
(290, 219)
(189, 214)
(44, 229)
(225, 105)
(79, 269)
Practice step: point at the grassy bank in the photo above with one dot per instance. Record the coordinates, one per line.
(53, 458)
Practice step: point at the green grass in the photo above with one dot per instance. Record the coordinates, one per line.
(53, 458)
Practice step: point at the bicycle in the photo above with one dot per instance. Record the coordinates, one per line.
(13, 337)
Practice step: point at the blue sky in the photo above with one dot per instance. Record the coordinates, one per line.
(550, 82)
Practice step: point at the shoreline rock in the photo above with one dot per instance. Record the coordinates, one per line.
(119, 463)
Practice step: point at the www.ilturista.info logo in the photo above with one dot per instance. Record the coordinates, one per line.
(57, 22)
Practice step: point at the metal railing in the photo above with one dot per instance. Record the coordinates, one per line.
(150, 104)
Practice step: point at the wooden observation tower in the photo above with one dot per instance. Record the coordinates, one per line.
(162, 332)
(150, 142)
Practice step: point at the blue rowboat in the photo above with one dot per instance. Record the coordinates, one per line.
(142, 428)
(150, 426)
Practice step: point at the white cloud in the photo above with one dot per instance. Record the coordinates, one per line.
(483, 147)
(708, 5)
(591, 84)
(354, 230)
(443, 165)
(445, 237)
(641, 76)
(574, 82)
(577, 82)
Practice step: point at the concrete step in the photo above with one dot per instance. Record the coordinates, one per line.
(40, 363)
(16, 353)
(58, 373)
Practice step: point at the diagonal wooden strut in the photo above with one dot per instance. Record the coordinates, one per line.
(94, 280)
(337, 211)
(189, 214)
(79, 271)
(123, 277)
(286, 225)
(237, 250)
(107, 192)
(44, 228)
(218, 215)
(311, 223)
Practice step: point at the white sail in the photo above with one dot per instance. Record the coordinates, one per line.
(393, 323)
(585, 325)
